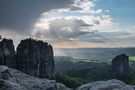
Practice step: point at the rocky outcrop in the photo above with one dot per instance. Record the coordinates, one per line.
(35, 58)
(106, 85)
(11, 79)
(7, 53)
(16, 80)
(120, 64)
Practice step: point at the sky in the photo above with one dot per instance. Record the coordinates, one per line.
(70, 23)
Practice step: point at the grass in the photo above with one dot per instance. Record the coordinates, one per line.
(132, 58)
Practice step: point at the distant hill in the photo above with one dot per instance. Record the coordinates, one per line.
(94, 53)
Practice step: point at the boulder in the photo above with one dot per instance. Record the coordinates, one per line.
(4, 72)
(20, 81)
(106, 85)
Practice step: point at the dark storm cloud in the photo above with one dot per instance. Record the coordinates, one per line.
(19, 15)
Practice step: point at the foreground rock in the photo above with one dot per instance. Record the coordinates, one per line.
(106, 85)
(11, 79)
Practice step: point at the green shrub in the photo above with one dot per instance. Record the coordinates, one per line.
(68, 80)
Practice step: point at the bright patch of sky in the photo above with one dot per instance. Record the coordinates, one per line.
(122, 10)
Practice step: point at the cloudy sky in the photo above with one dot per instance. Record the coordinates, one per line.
(70, 23)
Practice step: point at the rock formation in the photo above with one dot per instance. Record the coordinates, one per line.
(106, 85)
(120, 64)
(32, 57)
(35, 58)
(11, 79)
(7, 53)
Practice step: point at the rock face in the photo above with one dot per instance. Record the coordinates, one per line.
(11, 79)
(106, 85)
(35, 58)
(32, 57)
(7, 53)
(120, 64)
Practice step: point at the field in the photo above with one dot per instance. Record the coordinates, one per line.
(132, 58)
(80, 71)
